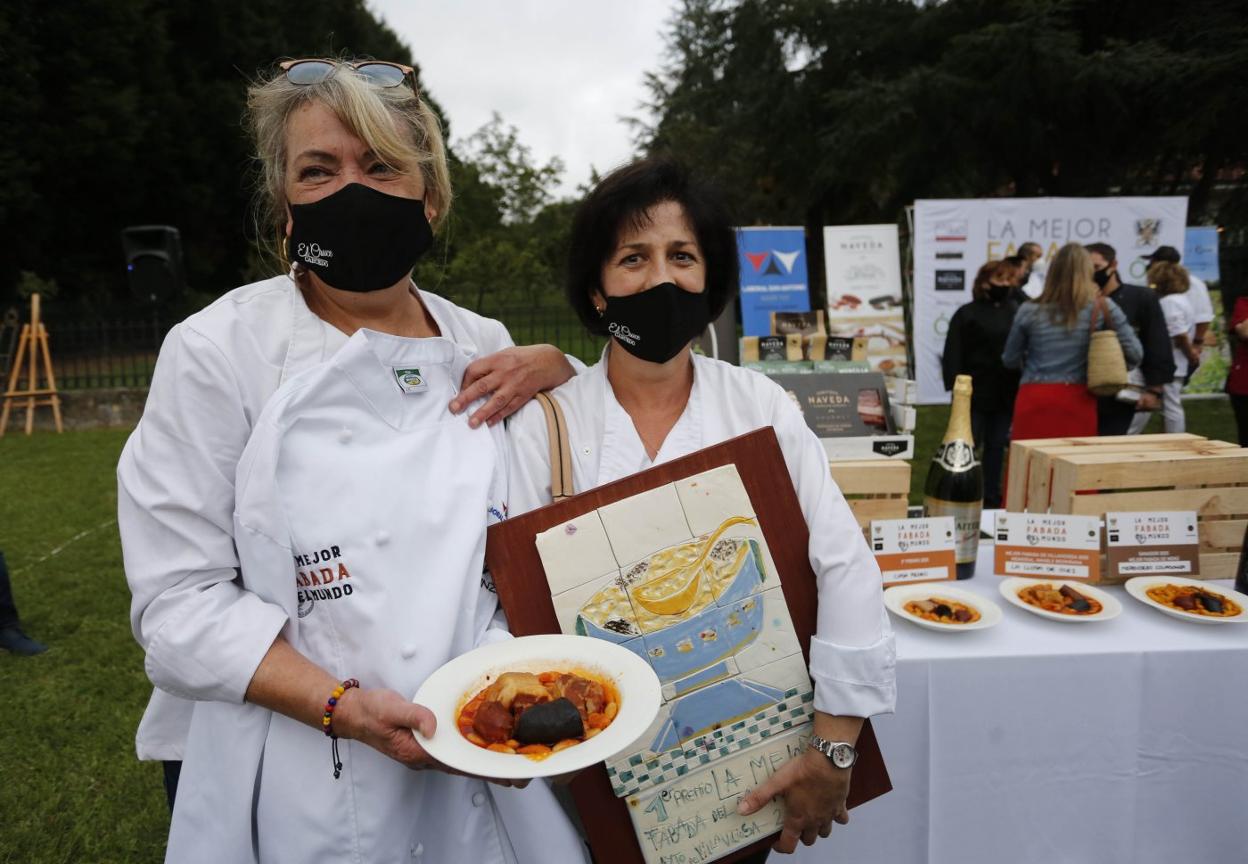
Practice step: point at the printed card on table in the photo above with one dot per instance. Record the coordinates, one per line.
(1152, 544)
(1048, 546)
(915, 550)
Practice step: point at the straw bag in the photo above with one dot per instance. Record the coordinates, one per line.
(1107, 368)
(560, 447)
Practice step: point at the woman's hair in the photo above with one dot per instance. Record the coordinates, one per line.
(983, 279)
(398, 126)
(622, 200)
(1068, 285)
(1167, 277)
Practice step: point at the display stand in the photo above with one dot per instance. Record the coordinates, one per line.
(32, 354)
(516, 567)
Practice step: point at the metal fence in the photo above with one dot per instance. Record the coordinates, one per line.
(100, 353)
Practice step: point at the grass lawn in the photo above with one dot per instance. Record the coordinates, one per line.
(72, 790)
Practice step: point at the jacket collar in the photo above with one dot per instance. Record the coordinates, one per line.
(307, 331)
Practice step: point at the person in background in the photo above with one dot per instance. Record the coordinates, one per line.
(1237, 378)
(12, 638)
(1143, 310)
(1197, 297)
(1049, 342)
(1014, 271)
(1033, 255)
(1170, 281)
(973, 346)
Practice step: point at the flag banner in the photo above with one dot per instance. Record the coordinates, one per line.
(773, 275)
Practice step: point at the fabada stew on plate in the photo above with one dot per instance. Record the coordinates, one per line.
(535, 715)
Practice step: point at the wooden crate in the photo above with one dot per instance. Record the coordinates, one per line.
(1029, 466)
(874, 488)
(1209, 477)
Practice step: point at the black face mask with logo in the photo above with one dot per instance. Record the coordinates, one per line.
(656, 324)
(359, 239)
(1101, 277)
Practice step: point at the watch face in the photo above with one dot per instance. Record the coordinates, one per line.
(843, 756)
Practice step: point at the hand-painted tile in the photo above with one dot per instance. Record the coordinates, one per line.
(644, 524)
(716, 633)
(786, 674)
(701, 678)
(693, 818)
(659, 737)
(721, 704)
(712, 497)
(775, 639)
(599, 608)
(575, 552)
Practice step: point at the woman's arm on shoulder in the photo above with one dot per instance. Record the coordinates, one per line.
(511, 375)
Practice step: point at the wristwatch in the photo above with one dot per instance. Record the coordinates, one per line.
(841, 754)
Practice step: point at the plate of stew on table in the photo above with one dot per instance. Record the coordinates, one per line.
(538, 706)
(1061, 599)
(941, 606)
(1190, 599)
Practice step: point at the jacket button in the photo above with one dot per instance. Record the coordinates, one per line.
(381, 538)
(478, 798)
(345, 435)
(408, 651)
(417, 851)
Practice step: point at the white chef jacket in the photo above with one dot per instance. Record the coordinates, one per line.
(1180, 321)
(175, 480)
(1197, 295)
(852, 654)
(359, 522)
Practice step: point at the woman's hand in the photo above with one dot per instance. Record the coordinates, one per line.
(384, 720)
(814, 792)
(513, 376)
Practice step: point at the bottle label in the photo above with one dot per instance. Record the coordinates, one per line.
(965, 523)
(956, 456)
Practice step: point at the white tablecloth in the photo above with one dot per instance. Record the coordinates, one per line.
(1123, 742)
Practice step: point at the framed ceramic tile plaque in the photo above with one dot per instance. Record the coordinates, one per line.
(700, 567)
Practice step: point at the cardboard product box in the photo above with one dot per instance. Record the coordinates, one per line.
(802, 323)
(770, 348)
(780, 367)
(840, 406)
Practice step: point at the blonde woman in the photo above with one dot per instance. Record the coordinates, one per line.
(282, 760)
(1049, 343)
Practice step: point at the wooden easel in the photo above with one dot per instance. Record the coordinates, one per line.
(32, 349)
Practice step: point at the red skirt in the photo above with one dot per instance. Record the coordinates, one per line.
(1053, 411)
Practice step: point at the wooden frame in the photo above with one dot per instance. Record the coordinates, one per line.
(513, 561)
(32, 352)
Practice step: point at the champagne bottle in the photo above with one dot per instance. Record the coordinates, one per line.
(955, 482)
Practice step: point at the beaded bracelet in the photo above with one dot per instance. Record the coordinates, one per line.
(327, 720)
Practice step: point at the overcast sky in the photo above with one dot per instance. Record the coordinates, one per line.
(561, 72)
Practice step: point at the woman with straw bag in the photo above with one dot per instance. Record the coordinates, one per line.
(1072, 346)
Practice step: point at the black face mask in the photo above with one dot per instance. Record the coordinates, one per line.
(997, 293)
(359, 239)
(657, 323)
(1101, 277)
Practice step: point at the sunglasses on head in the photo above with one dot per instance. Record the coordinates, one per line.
(379, 72)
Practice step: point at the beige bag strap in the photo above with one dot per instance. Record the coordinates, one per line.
(560, 447)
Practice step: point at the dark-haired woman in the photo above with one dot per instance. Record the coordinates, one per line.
(653, 261)
(973, 347)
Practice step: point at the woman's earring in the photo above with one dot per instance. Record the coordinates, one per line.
(599, 310)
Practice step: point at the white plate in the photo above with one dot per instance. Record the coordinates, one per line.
(896, 598)
(451, 686)
(1138, 588)
(1110, 607)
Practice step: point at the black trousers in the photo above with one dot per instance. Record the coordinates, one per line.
(8, 609)
(172, 771)
(1113, 416)
(992, 432)
(1239, 404)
